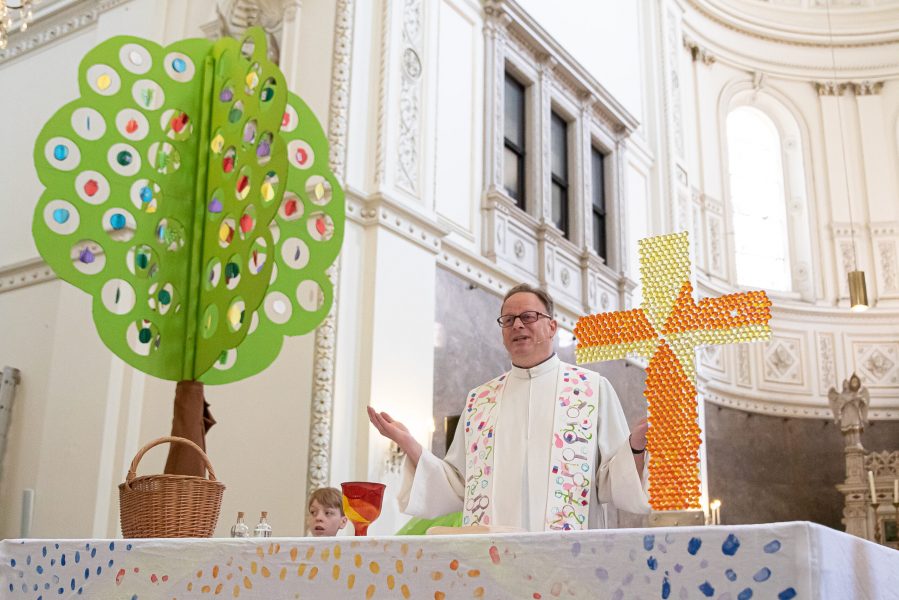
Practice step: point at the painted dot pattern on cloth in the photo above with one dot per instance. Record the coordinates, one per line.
(685, 563)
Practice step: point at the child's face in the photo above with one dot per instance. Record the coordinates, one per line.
(325, 521)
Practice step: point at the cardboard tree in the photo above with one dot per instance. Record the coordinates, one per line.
(188, 191)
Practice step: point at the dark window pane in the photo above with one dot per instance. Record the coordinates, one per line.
(599, 234)
(598, 191)
(598, 180)
(560, 206)
(514, 140)
(514, 112)
(510, 173)
(559, 147)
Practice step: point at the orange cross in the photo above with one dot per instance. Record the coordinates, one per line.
(667, 331)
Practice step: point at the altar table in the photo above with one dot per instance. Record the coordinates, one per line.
(781, 560)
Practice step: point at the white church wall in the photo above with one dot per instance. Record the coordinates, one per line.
(604, 37)
(455, 151)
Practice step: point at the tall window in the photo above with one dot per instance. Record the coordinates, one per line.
(514, 141)
(597, 164)
(758, 200)
(559, 169)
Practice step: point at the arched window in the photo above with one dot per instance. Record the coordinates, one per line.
(758, 200)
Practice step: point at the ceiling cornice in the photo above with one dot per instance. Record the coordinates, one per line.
(854, 27)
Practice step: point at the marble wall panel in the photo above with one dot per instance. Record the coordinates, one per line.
(766, 469)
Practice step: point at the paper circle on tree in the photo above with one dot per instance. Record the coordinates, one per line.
(62, 153)
(148, 94)
(104, 80)
(132, 124)
(135, 58)
(88, 123)
(61, 217)
(92, 187)
(118, 296)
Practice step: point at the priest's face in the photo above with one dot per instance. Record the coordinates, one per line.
(528, 344)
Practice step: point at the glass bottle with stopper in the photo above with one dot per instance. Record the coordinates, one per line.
(263, 529)
(240, 529)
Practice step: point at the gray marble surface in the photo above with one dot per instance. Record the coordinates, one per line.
(766, 469)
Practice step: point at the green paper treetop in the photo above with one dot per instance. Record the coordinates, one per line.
(189, 193)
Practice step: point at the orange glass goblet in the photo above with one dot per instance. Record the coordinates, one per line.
(362, 503)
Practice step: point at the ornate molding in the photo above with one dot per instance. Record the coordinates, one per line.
(697, 52)
(57, 21)
(410, 96)
(319, 461)
(388, 212)
(744, 24)
(717, 394)
(827, 372)
(23, 274)
(383, 93)
(858, 88)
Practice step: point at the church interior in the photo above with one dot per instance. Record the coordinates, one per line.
(481, 144)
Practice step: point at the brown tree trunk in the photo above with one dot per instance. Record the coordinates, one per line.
(191, 420)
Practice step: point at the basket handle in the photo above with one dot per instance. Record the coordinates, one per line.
(132, 471)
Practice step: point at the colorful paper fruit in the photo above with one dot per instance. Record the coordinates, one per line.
(666, 331)
(189, 193)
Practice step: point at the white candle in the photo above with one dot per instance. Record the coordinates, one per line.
(871, 485)
(896, 491)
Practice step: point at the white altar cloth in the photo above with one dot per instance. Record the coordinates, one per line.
(781, 560)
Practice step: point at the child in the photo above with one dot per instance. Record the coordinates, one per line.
(326, 512)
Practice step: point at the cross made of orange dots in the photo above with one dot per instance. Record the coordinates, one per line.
(666, 331)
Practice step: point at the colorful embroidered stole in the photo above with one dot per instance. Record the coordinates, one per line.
(571, 458)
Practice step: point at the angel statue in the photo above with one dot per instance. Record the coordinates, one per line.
(850, 409)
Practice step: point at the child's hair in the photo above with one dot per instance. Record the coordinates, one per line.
(329, 498)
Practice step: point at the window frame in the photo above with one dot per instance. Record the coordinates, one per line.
(520, 151)
(556, 179)
(603, 212)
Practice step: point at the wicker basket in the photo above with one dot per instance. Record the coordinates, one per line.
(166, 506)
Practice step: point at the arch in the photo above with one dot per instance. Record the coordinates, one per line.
(802, 244)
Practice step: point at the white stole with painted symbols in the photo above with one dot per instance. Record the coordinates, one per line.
(572, 455)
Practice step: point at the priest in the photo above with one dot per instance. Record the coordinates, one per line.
(538, 448)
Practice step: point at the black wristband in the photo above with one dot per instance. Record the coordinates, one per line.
(632, 448)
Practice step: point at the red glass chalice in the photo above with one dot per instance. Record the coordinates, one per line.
(362, 503)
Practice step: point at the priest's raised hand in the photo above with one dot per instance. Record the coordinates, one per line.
(397, 432)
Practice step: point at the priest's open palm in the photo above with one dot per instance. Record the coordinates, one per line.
(397, 432)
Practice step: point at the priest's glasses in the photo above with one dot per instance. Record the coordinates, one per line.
(362, 503)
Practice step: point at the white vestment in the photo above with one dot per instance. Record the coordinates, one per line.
(524, 434)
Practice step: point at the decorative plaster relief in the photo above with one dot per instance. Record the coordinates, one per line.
(674, 81)
(827, 372)
(744, 373)
(847, 262)
(78, 15)
(883, 464)
(877, 363)
(712, 357)
(519, 249)
(783, 360)
(889, 278)
(410, 96)
(716, 245)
